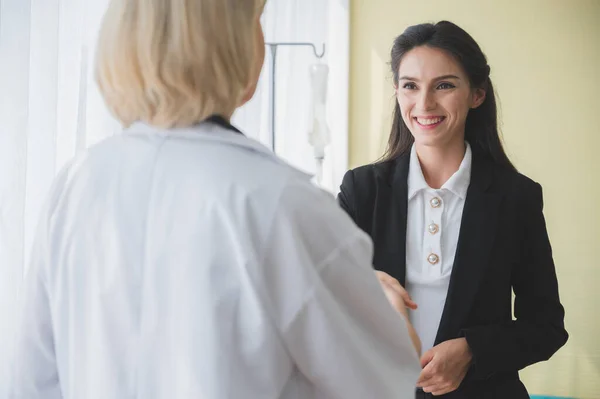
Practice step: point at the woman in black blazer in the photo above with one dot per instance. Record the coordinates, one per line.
(445, 126)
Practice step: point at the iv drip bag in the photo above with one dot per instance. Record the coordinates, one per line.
(318, 135)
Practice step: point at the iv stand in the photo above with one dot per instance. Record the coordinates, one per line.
(273, 47)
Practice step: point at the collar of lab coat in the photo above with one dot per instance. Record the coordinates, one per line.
(214, 132)
(224, 123)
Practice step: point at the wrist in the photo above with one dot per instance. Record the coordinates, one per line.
(468, 354)
(403, 310)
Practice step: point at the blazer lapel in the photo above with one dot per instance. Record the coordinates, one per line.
(475, 243)
(389, 227)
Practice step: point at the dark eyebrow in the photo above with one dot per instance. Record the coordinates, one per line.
(438, 78)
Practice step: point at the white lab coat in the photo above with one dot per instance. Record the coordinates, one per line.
(193, 263)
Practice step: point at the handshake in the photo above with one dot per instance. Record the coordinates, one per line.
(401, 301)
(395, 293)
(444, 366)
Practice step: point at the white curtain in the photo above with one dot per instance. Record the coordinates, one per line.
(50, 108)
(308, 21)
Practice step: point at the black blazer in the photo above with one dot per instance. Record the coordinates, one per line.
(503, 246)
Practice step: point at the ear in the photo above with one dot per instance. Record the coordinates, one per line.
(477, 97)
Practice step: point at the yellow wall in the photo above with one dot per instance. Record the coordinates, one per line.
(545, 59)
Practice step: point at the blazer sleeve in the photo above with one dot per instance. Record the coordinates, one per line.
(538, 331)
(346, 197)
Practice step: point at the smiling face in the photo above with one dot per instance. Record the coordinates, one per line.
(435, 97)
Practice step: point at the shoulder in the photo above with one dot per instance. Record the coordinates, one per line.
(371, 174)
(517, 186)
(312, 210)
(361, 186)
(368, 178)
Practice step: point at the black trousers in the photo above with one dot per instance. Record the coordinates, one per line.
(512, 389)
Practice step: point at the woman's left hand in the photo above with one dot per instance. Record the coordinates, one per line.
(445, 366)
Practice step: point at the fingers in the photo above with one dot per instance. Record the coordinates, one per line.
(426, 381)
(426, 359)
(435, 384)
(394, 299)
(436, 379)
(407, 299)
(427, 375)
(395, 284)
(442, 387)
(440, 390)
(385, 278)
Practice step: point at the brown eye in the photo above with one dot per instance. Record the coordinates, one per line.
(410, 86)
(445, 86)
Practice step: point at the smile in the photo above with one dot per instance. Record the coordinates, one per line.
(430, 122)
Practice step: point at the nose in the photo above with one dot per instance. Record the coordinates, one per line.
(426, 101)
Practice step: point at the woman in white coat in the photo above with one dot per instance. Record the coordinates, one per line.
(182, 259)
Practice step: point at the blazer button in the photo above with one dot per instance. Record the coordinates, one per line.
(433, 228)
(435, 202)
(433, 259)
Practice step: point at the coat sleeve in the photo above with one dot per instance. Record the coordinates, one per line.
(346, 338)
(538, 331)
(346, 196)
(339, 329)
(35, 373)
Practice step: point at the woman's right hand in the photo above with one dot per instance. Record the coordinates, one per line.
(395, 293)
(400, 300)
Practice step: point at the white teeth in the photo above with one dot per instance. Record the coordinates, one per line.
(426, 122)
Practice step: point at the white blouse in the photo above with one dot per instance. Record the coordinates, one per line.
(433, 226)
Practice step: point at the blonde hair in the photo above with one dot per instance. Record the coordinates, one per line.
(173, 63)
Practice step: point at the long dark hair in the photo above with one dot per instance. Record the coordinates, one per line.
(481, 128)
